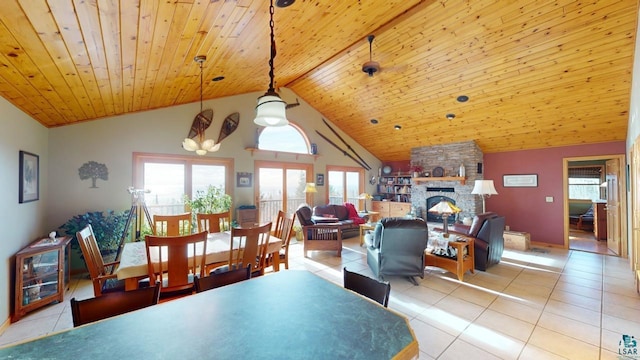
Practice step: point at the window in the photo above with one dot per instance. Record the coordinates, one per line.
(168, 178)
(280, 187)
(584, 183)
(270, 138)
(344, 184)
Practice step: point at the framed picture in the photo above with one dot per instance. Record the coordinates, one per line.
(319, 179)
(243, 179)
(529, 180)
(29, 177)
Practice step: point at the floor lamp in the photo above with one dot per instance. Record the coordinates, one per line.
(484, 188)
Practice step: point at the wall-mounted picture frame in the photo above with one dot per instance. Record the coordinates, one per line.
(243, 179)
(29, 177)
(525, 180)
(319, 179)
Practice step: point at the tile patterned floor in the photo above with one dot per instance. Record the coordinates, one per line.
(538, 304)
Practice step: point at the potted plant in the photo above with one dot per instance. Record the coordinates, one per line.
(212, 201)
(416, 170)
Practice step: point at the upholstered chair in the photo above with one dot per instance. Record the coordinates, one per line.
(488, 230)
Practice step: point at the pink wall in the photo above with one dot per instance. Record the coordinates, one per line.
(525, 209)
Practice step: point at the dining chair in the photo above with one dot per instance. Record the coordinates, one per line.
(283, 231)
(172, 225)
(180, 258)
(366, 286)
(248, 246)
(214, 222)
(102, 274)
(216, 280)
(108, 305)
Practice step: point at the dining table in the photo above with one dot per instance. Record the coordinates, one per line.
(134, 263)
(291, 314)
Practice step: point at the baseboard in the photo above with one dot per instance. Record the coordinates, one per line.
(5, 325)
(541, 244)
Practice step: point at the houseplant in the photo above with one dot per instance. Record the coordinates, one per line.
(416, 170)
(212, 201)
(107, 226)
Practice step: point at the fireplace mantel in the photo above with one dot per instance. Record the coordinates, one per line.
(418, 180)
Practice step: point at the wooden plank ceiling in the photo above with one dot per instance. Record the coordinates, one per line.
(537, 73)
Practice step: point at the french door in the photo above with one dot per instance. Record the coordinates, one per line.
(280, 186)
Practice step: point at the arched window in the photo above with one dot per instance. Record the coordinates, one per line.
(288, 138)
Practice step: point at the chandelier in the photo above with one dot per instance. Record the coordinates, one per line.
(202, 146)
(270, 110)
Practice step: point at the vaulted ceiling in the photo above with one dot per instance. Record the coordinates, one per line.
(537, 73)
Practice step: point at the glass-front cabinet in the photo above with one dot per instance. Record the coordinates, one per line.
(42, 274)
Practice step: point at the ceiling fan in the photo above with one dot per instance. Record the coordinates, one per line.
(371, 67)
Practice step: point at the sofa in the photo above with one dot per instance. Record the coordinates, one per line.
(488, 231)
(583, 221)
(344, 215)
(397, 247)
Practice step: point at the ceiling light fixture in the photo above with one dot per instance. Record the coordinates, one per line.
(270, 110)
(451, 116)
(462, 98)
(397, 127)
(203, 146)
(374, 121)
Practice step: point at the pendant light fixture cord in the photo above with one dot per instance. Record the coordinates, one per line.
(273, 49)
(200, 123)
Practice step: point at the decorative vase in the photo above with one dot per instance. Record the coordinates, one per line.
(416, 174)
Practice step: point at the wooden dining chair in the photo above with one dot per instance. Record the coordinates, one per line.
(366, 286)
(108, 305)
(283, 231)
(102, 274)
(214, 222)
(216, 280)
(172, 225)
(248, 246)
(175, 267)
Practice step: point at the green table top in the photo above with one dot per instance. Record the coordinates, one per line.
(286, 315)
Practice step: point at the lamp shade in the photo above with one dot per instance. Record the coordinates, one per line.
(365, 196)
(484, 187)
(310, 188)
(270, 111)
(444, 207)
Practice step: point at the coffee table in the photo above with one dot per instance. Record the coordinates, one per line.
(458, 266)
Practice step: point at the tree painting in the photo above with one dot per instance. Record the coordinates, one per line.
(94, 171)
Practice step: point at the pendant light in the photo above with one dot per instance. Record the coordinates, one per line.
(202, 146)
(270, 110)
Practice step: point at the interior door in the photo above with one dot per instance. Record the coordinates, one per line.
(280, 187)
(613, 205)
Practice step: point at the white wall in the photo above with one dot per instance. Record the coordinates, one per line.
(20, 223)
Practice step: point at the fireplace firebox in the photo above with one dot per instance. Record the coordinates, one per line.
(433, 201)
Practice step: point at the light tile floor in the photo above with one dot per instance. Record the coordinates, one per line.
(538, 304)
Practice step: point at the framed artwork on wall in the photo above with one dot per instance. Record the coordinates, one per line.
(529, 180)
(243, 179)
(319, 179)
(29, 181)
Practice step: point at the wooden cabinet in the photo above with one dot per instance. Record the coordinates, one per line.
(390, 208)
(42, 274)
(396, 188)
(600, 220)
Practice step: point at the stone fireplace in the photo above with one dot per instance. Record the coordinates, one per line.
(449, 157)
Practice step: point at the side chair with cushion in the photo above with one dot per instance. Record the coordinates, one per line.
(216, 280)
(283, 231)
(102, 274)
(214, 223)
(397, 248)
(248, 246)
(488, 231)
(108, 305)
(324, 236)
(373, 289)
(175, 269)
(172, 225)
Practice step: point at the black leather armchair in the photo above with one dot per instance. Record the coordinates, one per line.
(397, 248)
(488, 230)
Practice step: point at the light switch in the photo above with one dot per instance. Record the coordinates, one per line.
(549, 198)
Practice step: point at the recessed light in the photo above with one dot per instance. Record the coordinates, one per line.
(218, 78)
(462, 98)
(374, 121)
(451, 116)
(397, 127)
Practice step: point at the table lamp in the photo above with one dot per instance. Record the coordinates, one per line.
(310, 188)
(484, 188)
(365, 196)
(444, 208)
